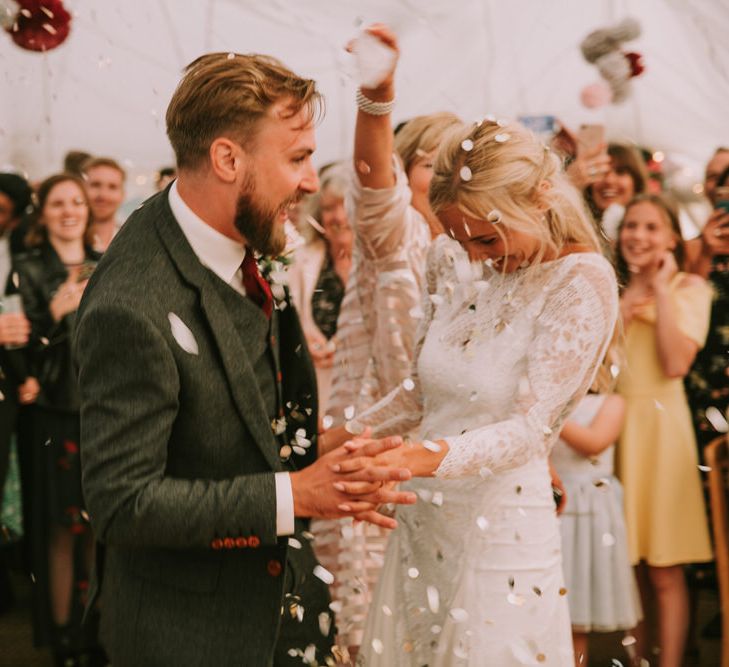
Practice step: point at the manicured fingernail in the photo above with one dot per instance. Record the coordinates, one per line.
(339, 486)
(335, 467)
(404, 474)
(344, 508)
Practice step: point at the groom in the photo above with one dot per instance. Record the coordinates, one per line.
(199, 415)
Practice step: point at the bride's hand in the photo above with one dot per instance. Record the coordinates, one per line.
(421, 458)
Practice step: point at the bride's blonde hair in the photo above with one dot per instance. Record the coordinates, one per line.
(500, 166)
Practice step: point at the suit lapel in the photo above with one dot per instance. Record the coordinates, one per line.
(234, 352)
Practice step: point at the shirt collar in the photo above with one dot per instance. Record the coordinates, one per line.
(222, 255)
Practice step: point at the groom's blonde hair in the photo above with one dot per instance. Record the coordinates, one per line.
(501, 166)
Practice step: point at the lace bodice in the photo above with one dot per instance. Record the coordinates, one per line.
(501, 359)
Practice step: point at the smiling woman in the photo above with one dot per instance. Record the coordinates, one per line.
(51, 279)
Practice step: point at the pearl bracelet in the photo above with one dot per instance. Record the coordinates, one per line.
(373, 108)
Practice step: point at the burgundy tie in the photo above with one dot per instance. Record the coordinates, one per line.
(257, 289)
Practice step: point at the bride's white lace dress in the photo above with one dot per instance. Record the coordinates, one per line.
(472, 575)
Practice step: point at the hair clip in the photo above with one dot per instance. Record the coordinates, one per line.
(494, 216)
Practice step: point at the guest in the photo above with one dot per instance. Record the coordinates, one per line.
(626, 177)
(666, 315)
(105, 182)
(15, 196)
(320, 271)
(603, 596)
(707, 384)
(51, 280)
(165, 176)
(73, 162)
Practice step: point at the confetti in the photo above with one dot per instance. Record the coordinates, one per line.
(483, 523)
(325, 575)
(494, 216)
(349, 412)
(614, 370)
(502, 137)
(386, 610)
(285, 452)
(515, 599)
(717, 419)
(467, 145)
(563, 591)
(325, 623)
(608, 540)
(299, 450)
(413, 573)
(437, 498)
(294, 543)
(466, 174)
(628, 640)
(433, 599)
(659, 405)
(408, 384)
(704, 468)
(431, 446)
(377, 646)
(436, 629)
(336, 606)
(327, 421)
(458, 615)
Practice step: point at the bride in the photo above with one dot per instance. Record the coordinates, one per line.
(519, 310)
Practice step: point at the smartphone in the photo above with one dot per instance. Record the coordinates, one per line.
(589, 137)
(723, 204)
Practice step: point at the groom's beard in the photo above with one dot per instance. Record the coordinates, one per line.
(259, 225)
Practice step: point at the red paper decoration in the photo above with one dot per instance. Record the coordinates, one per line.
(636, 63)
(41, 25)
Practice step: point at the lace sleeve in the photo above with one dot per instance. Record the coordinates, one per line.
(401, 411)
(571, 337)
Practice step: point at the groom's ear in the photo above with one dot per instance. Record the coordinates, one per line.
(226, 159)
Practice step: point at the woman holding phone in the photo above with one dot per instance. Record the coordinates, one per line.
(51, 279)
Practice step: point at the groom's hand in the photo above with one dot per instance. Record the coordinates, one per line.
(319, 489)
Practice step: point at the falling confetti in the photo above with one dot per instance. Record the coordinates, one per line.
(502, 137)
(433, 599)
(717, 419)
(431, 446)
(466, 174)
(608, 540)
(327, 422)
(386, 610)
(413, 573)
(349, 412)
(377, 646)
(494, 216)
(458, 615)
(182, 334)
(325, 623)
(483, 523)
(408, 384)
(467, 145)
(437, 498)
(325, 575)
(294, 543)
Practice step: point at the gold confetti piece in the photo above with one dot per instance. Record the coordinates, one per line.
(537, 591)
(541, 657)
(563, 591)
(407, 647)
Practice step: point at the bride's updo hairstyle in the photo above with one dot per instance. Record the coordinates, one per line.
(498, 171)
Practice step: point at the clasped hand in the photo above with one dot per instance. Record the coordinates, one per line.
(330, 488)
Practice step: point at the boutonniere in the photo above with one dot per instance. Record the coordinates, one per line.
(275, 269)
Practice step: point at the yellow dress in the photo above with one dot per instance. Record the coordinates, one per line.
(657, 459)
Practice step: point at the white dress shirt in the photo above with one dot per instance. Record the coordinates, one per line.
(224, 256)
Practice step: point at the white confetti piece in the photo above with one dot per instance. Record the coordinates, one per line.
(377, 646)
(466, 174)
(483, 523)
(386, 610)
(325, 575)
(433, 599)
(437, 498)
(608, 540)
(467, 145)
(325, 623)
(515, 599)
(299, 450)
(327, 421)
(408, 384)
(458, 615)
(431, 446)
(413, 572)
(182, 334)
(294, 543)
(349, 412)
(716, 419)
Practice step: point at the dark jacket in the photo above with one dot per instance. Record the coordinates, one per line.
(37, 275)
(178, 452)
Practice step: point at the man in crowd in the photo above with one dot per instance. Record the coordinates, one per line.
(105, 183)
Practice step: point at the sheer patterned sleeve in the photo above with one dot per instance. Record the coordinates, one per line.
(385, 220)
(401, 411)
(571, 336)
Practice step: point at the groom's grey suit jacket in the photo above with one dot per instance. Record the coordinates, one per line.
(179, 387)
